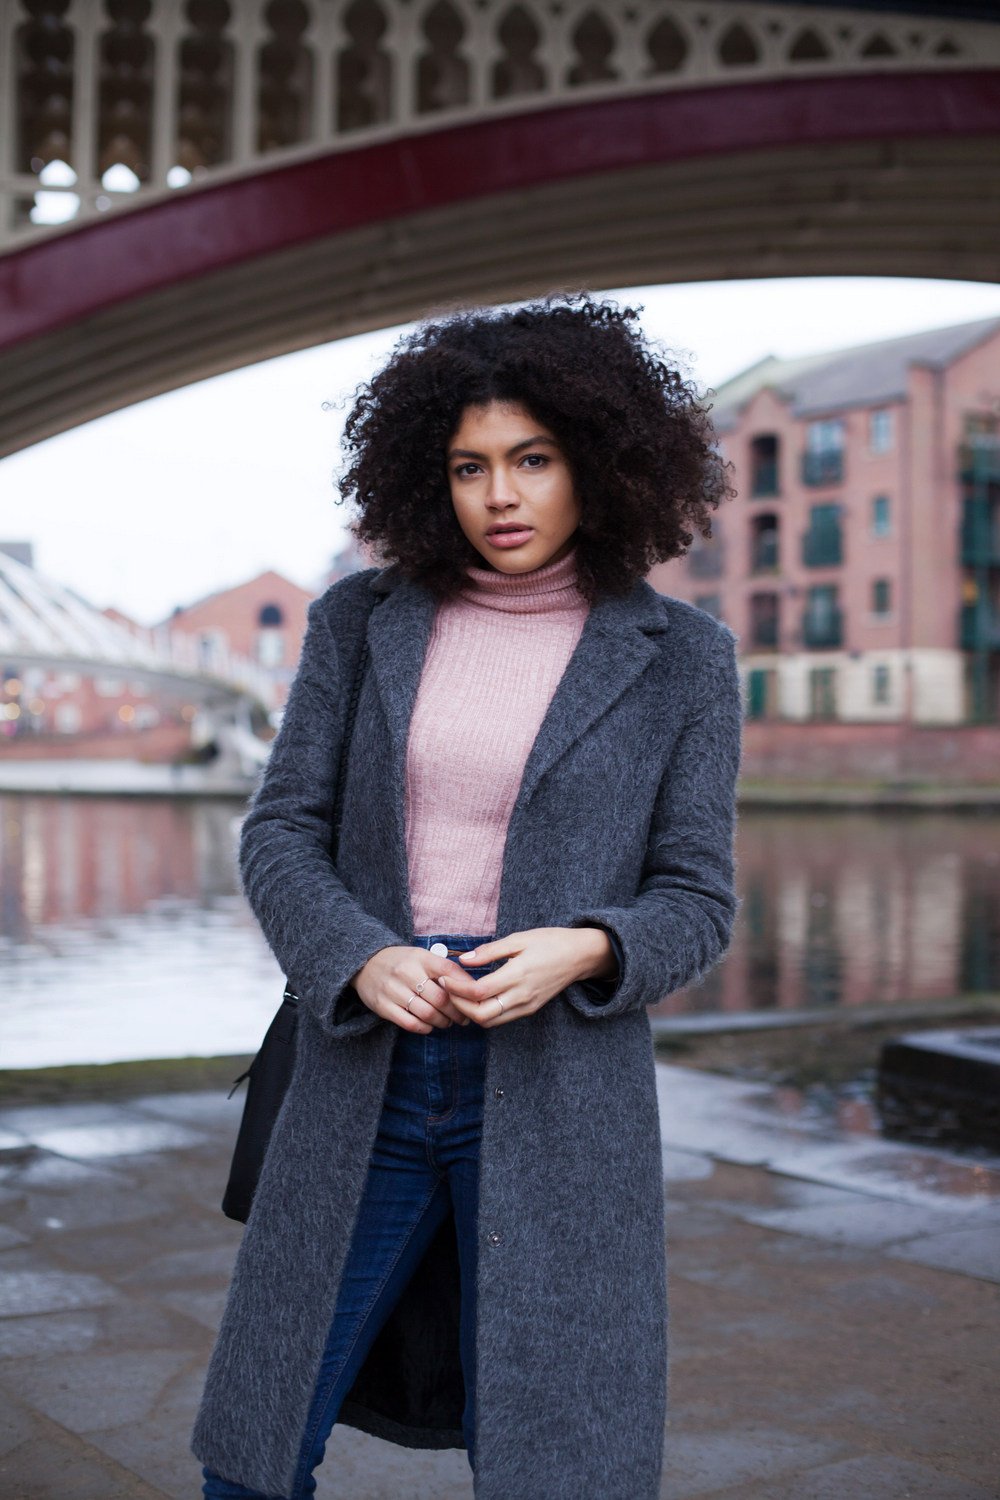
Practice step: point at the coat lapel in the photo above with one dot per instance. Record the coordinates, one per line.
(614, 649)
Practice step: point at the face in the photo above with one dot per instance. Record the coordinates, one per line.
(506, 470)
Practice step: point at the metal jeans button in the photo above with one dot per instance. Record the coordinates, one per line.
(495, 1237)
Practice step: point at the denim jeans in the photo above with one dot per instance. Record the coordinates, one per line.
(425, 1161)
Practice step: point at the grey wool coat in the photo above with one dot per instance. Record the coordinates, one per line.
(625, 819)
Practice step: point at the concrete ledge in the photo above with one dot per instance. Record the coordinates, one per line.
(893, 797)
(974, 1006)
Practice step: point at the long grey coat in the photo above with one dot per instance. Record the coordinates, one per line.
(625, 818)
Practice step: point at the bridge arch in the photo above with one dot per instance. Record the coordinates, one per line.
(701, 141)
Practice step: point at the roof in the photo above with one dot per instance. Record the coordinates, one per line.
(863, 375)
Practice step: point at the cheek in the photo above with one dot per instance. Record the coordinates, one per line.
(461, 509)
(568, 506)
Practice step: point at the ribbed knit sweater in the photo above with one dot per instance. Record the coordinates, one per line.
(494, 660)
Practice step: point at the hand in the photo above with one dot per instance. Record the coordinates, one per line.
(540, 964)
(390, 977)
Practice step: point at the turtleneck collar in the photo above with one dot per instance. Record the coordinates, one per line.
(553, 586)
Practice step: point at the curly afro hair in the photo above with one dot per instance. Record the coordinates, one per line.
(638, 441)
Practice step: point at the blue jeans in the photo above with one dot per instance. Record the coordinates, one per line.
(425, 1161)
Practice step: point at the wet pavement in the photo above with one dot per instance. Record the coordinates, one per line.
(834, 1305)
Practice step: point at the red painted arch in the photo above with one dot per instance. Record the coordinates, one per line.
(78, 272)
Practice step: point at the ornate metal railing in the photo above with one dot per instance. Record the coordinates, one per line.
(104, 103)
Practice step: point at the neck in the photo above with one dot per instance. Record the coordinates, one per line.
(553, 586)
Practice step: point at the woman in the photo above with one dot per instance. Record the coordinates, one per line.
(457, 1238)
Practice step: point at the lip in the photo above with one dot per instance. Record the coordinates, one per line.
(509, 538)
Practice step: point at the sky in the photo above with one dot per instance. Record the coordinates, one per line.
(204, 487)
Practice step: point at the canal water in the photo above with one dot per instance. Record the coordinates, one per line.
(123, 932)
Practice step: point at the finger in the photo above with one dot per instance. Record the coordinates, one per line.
(404, 1019)
(463, 986)
(489, 1014)
(484, 1010)
(419, 1005)
(433, 992)
(439, 997)
(487, 953)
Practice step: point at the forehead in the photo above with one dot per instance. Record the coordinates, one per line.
(501, 418)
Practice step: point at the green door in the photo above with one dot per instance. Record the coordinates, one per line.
(756, 692)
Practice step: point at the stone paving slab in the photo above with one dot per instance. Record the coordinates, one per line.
(973, 1250)
(873, 1478)
(829, 1338)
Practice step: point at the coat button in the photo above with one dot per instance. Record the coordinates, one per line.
(498, 1093)
(495, 1238)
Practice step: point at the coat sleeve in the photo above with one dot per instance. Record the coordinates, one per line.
(678, 925)
(320, 935)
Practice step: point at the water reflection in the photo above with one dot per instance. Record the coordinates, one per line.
(123, 933)
(857, 908)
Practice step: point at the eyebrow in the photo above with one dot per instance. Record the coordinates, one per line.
(526, 443)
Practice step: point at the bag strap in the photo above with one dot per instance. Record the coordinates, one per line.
(352, 710)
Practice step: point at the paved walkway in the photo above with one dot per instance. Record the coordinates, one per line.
(834, 1307)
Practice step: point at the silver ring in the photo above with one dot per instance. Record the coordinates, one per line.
(410, 1002)
(421, 985)
(499, 1002)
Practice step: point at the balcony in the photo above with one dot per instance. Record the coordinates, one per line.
(822, 549)
(979, 629)
(979, 459)
(764, 633)
(981, 533)
(764, 557)
(706, 561)
(764, 478)
(823, 630)
(824, 467)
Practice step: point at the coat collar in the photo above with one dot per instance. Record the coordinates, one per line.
(614, 648)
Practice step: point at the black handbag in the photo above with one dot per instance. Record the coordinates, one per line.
(269, 1074)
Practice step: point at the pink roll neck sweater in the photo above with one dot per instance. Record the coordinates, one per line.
(494, 660)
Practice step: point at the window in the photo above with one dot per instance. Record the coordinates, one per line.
(881, 596)
(67, 718)
(823, 460)
(764, 464)
(764, 544)
(822, 544)
(880, 515)
(271, 648)
(764, 616)
(211, 645)
(706, 558)
(710, 603)
(270, 614)
(821, 621)
(881, 683)
(826, 436)
(822, 693)
(880, 430)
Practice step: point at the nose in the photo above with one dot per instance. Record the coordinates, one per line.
(501, 488)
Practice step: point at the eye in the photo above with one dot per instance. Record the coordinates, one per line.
(542, 457)
(457, 471)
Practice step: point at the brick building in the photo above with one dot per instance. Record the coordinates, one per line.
(263, 619)
(860, 563)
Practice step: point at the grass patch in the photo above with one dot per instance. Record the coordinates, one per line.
(120, 1080)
